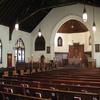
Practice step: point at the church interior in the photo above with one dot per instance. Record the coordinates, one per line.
(49, 50)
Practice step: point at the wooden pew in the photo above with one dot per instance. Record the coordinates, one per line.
(66, 79)
(10, 96)
(59, 94)
(62, 86)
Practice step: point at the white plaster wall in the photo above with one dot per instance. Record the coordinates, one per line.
(37, 54)
(26, 37)
(5, 44)
(82, 38)
(8, 46)
(52, 22)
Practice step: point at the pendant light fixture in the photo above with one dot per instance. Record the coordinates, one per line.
(17, 25)
(39, 33)
(93, 25)
(84, 13)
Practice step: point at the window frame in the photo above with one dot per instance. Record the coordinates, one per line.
(19, 48)
(60, 41)
(40, 44)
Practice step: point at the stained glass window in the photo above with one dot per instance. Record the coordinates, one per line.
(20, 51)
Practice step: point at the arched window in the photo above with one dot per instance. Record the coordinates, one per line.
(60, 41)
(20, 51)
(39, 43)
(0, 51)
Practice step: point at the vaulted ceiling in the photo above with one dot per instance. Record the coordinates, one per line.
(30, 12)
(72, 26)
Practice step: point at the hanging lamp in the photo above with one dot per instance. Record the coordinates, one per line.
(84, 13)
(93, 25)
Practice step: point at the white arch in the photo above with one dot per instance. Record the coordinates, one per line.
(58, 25)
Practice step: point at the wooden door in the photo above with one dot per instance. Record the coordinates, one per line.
(9, 60)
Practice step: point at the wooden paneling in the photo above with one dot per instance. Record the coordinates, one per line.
(9, 60)
(72, 26)
(76, 50)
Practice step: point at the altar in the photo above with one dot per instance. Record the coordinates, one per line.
(74, 60)
(77, 55)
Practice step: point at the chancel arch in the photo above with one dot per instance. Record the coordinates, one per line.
(73, 33)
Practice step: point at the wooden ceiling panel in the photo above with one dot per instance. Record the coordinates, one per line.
(72, 26)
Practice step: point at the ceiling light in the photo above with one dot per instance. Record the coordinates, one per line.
(84, 13)
(39, 33)
(94, 25)
(72, 26)
(17, 26)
